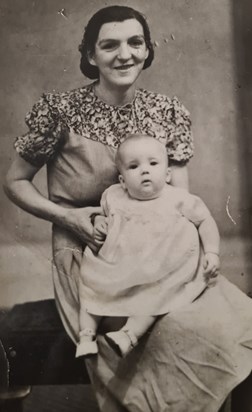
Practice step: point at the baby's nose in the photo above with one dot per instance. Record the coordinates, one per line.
(145, 170)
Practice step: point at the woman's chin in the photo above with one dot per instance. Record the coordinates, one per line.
(125, 79)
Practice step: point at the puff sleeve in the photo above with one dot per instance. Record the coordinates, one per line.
(46, 132)
(180, 140)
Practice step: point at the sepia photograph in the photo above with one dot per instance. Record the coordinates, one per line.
(126, 206)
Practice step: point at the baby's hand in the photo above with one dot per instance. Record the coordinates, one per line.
(211, 264)
(100, 229)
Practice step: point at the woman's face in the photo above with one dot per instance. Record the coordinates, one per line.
(120, 53)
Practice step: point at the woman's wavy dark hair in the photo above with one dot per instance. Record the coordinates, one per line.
(108, 15)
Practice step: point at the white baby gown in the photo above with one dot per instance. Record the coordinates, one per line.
(150, 262)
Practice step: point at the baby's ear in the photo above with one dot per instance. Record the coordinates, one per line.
(121, 180)
(168, 176)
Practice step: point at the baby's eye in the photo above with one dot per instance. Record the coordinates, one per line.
(153, 163)
(133, 166)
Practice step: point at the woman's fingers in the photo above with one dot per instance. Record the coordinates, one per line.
(79, 222)
(92, 210)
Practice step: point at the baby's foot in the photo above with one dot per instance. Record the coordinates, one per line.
(87, 344)
(122, 341)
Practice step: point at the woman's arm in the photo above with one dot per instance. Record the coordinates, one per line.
(179, 176)
(20, 189)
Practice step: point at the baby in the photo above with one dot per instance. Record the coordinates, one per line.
(159, 248)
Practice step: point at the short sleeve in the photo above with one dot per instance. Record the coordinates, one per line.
(194, 209)
(46, 132)
(180, 140)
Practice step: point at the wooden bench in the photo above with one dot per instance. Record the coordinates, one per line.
(35, 350)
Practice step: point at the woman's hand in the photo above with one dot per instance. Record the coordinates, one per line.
(100, 229)
(78, 221)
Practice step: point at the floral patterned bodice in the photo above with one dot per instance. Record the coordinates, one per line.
(81, 111)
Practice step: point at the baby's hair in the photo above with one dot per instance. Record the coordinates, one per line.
(129, 139)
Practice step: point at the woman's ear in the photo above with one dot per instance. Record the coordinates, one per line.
(147, 53)
(168, 175)
(121, 180)
(91, 59)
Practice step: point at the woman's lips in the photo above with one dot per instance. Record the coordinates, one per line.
(124, 67)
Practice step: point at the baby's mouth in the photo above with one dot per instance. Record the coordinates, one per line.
(146, 181)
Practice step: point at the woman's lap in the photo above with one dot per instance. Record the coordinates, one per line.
(189, 361)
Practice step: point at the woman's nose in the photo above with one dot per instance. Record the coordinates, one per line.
(124, 52)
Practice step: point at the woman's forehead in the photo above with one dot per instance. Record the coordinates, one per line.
(120, 29)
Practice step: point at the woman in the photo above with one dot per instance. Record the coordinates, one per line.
(177, 367)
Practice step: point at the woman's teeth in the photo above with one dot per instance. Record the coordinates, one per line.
(126, 67)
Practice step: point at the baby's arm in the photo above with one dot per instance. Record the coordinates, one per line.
(210, 238)
(197, 212)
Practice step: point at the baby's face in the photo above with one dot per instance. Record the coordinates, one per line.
(144, 170)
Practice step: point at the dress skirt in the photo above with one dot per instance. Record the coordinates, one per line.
(190, 360)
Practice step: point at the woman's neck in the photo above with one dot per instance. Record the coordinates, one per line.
(115, 96)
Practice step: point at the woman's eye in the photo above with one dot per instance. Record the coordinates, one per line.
(136, 43)
(109, 46)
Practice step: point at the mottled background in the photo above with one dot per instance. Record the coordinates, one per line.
(203, 55)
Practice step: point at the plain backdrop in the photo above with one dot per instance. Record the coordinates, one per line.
(201, 55)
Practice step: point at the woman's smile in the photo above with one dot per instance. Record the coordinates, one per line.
(124, 67)
(125, 70)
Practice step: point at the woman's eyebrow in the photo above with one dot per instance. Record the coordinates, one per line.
(137, 36)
